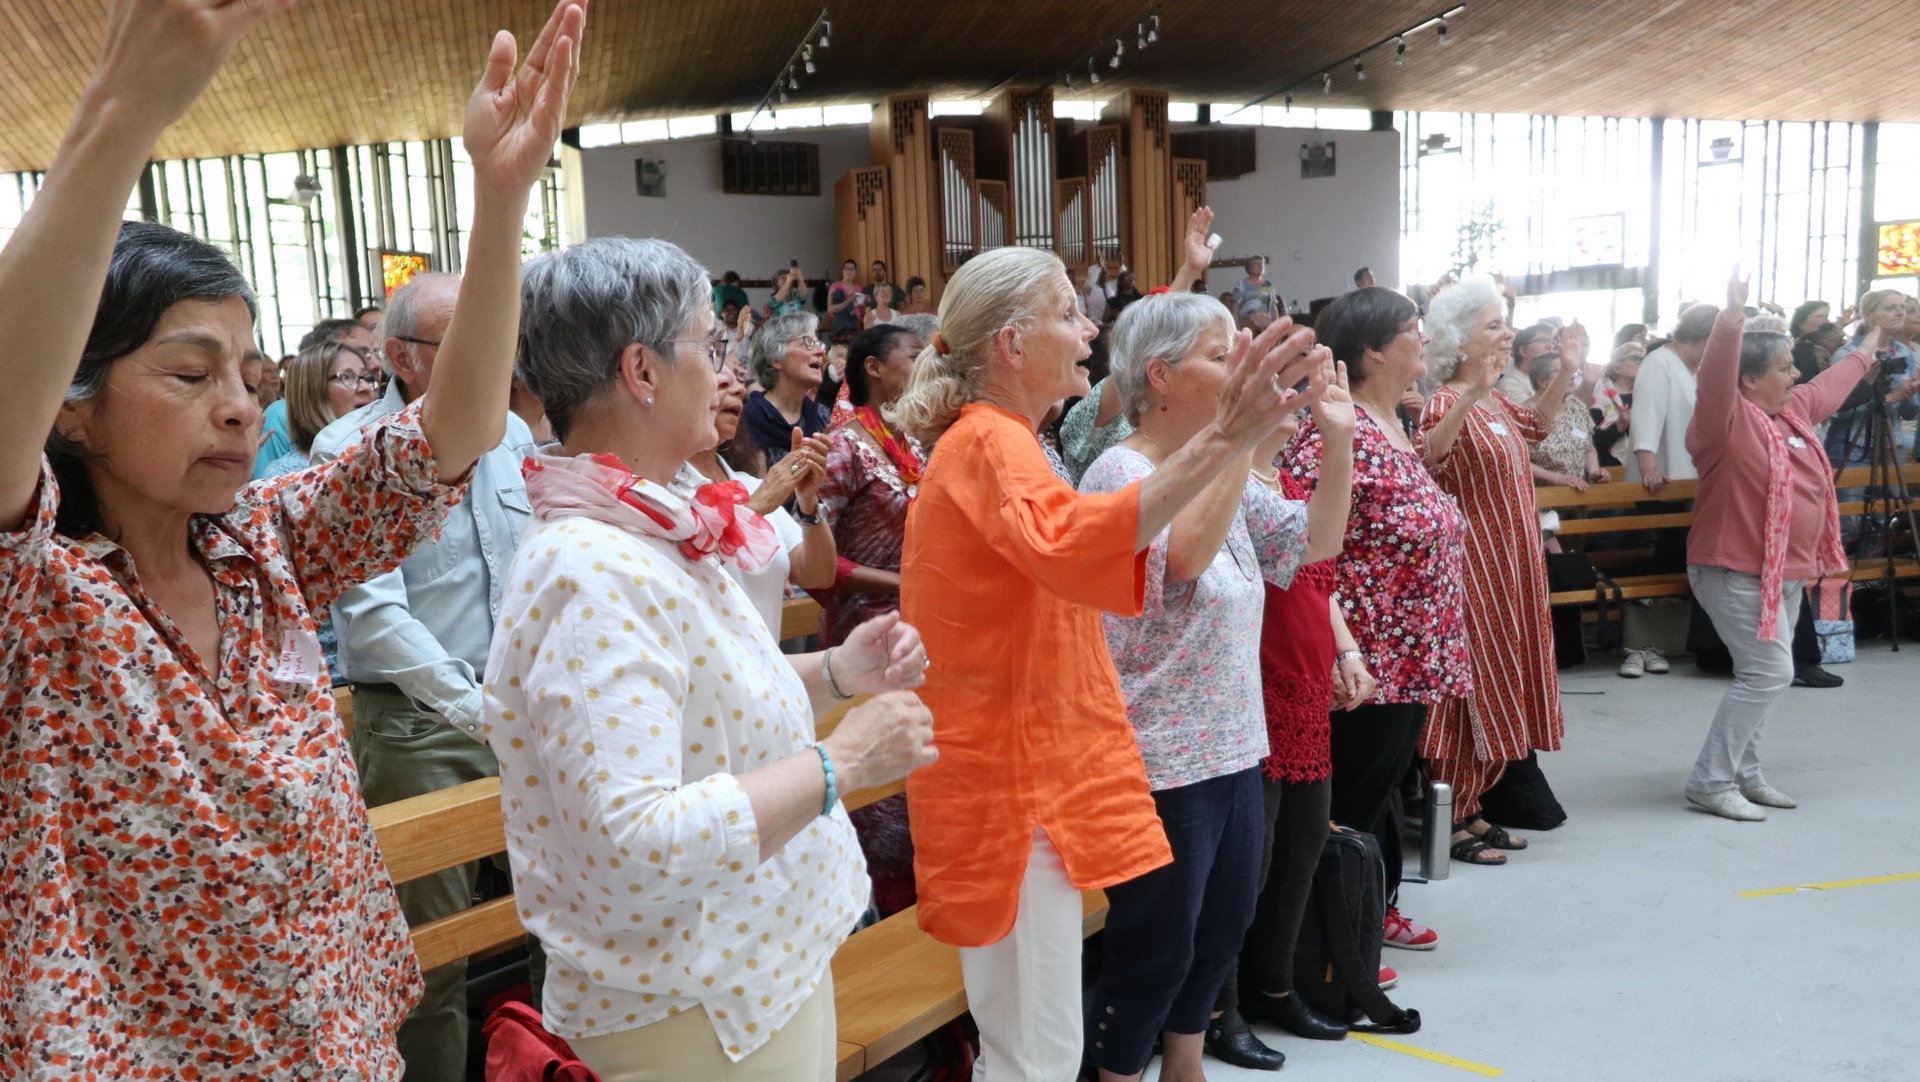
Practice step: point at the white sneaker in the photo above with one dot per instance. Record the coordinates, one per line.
(1768, 795)
(1634, 665)
(1727, 804)
(1654, 661)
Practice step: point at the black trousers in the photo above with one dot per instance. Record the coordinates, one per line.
(1296, 833)
(1373, 746)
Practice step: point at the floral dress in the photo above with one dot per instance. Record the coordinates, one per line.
(1400, 567)
(865, 503)
(192, 888)
(1190, 665)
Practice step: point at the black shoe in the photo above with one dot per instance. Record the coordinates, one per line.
(1293, 1015)
(1813, 676)
(1229, 1040)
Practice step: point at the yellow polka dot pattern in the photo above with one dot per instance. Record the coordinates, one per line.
(625, 692)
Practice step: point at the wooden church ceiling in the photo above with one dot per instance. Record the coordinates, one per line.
(350, 71)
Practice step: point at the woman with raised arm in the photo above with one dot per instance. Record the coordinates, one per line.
(1040, 791)
(1475, 441)
(1765, 521)
(193, 887)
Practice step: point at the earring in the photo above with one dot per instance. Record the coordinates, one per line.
(648, 401)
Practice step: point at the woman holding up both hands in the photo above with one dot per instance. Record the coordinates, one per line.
(1475, 440)
(193, 887)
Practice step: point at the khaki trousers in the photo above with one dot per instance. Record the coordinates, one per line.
(683, 1048)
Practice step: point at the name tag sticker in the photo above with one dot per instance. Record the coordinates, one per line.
(1496, 428)
(299, 659)
(1795, 441)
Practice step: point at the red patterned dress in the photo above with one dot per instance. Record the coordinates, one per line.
(1515, 705)
(1296, 667)
(864, 501)
(191, 889)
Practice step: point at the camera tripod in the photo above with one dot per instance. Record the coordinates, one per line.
(1886, 499)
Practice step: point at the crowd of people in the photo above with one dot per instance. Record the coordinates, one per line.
(1139, 592)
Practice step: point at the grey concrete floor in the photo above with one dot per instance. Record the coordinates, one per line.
(1619, 948)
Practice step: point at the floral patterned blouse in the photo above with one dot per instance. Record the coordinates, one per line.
(192, 889)
(1401, 566)
(865, 503)
(1565, 448)
(1190, 664)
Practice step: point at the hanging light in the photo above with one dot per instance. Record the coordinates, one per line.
(1289, 102)
(1140, 36)
(783, 95)
(806, 57)
(1093, 74)
(1118, 48)
(793, 81)
(1326, 82)
(1153, 27)
(1068, 76)
(826, 31)
(1359, 71)
(1442, 35)
(1399, 51)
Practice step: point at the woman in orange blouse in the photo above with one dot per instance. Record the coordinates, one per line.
(1040, 791)
(192, 887)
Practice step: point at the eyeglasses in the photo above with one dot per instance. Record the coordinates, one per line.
(715, 347)
(809, 342)
(348, 379)
(418, 341)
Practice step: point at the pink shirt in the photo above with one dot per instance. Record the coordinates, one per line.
(1729, 448)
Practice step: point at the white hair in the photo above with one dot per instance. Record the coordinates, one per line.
(1451, 318)
(1165, 325)
(1004, 287)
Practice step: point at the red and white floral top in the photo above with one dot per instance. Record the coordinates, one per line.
(191, 888)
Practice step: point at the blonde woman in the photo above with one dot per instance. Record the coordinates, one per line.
(1040, 791)
(326, 381)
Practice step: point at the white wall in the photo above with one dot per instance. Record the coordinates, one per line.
(1317, 232)
(753, 234)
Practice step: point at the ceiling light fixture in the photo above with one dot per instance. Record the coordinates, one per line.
(817, 36)
(1326, 82)
(806, 57)
(1399, 51)
(826, 32)
(1140, 36)
(1438, 22)
(1118, 49)
(1442, 35)
(1153, 27)
(1093, 73)
(1359, 71)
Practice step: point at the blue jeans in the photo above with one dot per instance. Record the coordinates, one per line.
(1173, 933)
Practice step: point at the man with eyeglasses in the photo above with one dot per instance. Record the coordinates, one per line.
(276, 436)
(413, 646)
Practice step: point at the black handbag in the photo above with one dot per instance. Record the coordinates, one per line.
(1567, 571)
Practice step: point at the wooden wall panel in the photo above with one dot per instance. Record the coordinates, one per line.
(1189, 195)
(901, 140)
(862, 215)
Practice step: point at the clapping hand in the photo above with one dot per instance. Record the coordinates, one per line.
(1737, 293)
(883, 654)
(1573, 346)
(1262, 372)
(515, 117)
(1334, 412)
(1198, 252)
(799, 473)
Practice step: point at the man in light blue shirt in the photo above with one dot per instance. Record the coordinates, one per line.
(413, 645)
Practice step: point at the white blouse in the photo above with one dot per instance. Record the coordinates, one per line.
(627, 686)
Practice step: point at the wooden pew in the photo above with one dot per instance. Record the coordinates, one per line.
(893, 984)
(1626, 494)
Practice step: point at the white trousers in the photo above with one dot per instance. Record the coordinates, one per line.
(1024, 990)
(1762, 672)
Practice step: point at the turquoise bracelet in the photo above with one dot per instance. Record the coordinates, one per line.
(833, 786)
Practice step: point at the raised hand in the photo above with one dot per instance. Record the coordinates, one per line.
(1574, 343)
(1334, 411)
(1737, 292)
(1484, 378)
(159, 55)
(1260, 371)
(515, 117)
(1198, 252)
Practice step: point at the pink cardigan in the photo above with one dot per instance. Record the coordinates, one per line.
(1729, 448)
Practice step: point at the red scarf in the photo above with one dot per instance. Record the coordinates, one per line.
(891, 442)
(601, 487)
(1773, 565)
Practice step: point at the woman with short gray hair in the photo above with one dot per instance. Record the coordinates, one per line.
(657, 750)
(1476, 445)
(789, 361)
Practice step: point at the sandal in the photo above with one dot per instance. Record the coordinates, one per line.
(1498, 838)
(1472, 850)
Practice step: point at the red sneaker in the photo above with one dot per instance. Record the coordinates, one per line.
(1388, 978)
(1407, 935)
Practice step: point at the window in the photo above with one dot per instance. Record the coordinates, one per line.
(768, 168)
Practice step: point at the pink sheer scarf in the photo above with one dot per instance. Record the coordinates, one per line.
(601, 488)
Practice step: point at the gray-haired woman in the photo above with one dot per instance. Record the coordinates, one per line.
(671, 819)
(1190, 671)
(789, 361)
(1475, 440)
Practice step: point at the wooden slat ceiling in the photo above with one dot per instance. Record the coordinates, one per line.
(351, 71)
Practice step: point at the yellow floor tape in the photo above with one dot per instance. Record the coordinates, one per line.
(1431, 1057)
(1835, 884)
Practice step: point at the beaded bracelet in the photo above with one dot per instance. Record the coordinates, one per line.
(833, 785)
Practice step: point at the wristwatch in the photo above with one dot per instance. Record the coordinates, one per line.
(804, 518)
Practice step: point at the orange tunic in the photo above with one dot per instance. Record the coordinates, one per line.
(1006, 571)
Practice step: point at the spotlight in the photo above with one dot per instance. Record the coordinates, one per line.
(1118, 48)
(305, 191)
(1140, 36)
(1068, 76)
(1326, 82)
(1093, 74)
(783, 95)
(1289, 102)
(806, 57)
(1360, 71)
(1399, 51)
(826, 31)
(793, 81)
(1153, 28)
(1443, 33)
